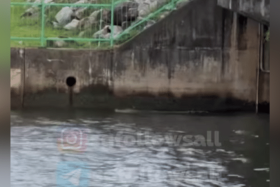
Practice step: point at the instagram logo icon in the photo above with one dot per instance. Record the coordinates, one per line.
(72, 140)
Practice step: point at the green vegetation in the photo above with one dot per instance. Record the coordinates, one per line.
(23, 27)
(29, 27)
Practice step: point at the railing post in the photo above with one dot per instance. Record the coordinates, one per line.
(43, 23)
(112, 23)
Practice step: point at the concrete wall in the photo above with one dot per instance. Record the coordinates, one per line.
(201, 57)
(255, 9)
(46, 71)
(208, 53)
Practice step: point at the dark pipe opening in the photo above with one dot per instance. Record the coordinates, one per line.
(70, 81)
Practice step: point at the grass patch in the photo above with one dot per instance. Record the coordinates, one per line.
(24, 27)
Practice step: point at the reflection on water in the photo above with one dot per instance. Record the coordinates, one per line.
(82, 148)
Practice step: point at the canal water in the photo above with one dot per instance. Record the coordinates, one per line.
(106, 149)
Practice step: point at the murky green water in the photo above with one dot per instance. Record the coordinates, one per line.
(88, 148)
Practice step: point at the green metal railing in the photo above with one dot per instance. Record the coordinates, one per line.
(35, 24)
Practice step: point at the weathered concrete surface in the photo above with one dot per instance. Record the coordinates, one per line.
(47, 71)
(201, 57)
(255, 9)
(17, 73)
(201, 53)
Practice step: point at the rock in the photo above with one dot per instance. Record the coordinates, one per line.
(117, 30)
(125, 24)
(45, 1)
(85, 23)
(127, 11)
(34, 10)
(96, 15)
(137, 21)
(86, 33)
(82, 34)
(80, 13)
(64, 16)
(60, 43)
(72, 25)
(31, 12)
(55, 25)
(144, 9)
(75, 8)
(149, 23)
(159, 3)
(106, 32)
(56, 43)
(39, 1)
(99, 34)
(106, 16)
(66, 1)
(90, 23)
(147, 6)
(164, 14)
